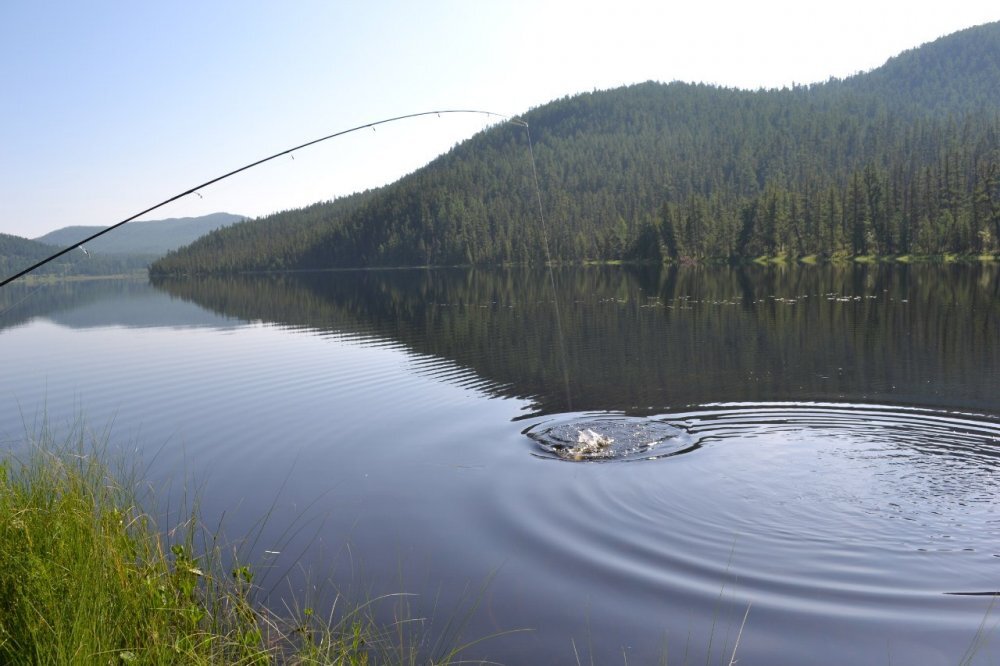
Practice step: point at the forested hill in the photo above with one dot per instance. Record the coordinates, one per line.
(18, 253)
(901, 160)
(956, 74)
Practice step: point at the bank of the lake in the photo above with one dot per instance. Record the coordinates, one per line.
(837, 260)
(843, 259)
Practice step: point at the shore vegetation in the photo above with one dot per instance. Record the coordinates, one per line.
(88, 578)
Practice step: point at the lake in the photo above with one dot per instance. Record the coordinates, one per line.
(813, 448)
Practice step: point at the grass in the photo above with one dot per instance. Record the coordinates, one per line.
(87, 578)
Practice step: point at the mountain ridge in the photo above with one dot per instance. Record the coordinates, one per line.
(142, 236)
(927, 72)
(904, 159)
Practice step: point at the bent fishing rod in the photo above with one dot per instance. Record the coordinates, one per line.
(289, 151)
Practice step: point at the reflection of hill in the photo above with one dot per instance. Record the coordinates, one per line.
(87, 304)
(646, 340)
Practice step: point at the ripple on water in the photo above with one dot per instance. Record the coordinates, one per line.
(817, 508)
(608, 438)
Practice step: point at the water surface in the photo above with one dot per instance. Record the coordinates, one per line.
(816, 444)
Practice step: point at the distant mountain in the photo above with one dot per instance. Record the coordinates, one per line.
(152, 237)
(18, 253)
(129, 249)
(901, 160)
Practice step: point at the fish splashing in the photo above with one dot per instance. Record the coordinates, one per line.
(589, 444)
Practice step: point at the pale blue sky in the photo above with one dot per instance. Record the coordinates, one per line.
(110, 107)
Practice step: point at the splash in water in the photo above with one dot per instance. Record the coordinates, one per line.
(607, 438)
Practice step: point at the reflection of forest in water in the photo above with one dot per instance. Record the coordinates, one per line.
(130, 302)
(645, 339)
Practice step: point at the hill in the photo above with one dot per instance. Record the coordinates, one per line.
(904, 159)
(958, 72)
(156, 237)
(17, 253)
(128, 249)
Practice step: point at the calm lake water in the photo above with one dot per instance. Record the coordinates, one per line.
(818, 445)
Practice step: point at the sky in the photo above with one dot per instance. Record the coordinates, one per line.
(108, 108)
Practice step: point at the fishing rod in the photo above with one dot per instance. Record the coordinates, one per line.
(289, 151)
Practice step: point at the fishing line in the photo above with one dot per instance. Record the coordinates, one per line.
(21, 300)
(548, 263)
(194, 190)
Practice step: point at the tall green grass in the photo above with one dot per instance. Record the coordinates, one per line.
(87, 578)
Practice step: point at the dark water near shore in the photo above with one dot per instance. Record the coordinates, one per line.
(819, 444)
